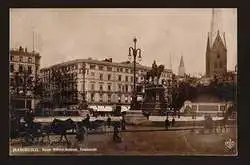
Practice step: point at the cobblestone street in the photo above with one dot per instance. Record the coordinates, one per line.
(181, 142)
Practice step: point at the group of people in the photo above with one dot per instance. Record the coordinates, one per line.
(169, 124)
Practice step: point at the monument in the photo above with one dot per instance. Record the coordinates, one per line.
(154, 101)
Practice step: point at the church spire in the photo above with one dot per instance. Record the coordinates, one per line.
(208, 42)
(216, 27)
(181, 62)
(181, 67)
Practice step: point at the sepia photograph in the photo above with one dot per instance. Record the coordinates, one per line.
(123, 81)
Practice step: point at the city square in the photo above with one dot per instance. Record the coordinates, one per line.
(115, 88)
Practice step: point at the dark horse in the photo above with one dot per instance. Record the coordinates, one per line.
(92, 125)
(61, 127)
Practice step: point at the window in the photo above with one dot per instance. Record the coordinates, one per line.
(101, 87)
(218, 55)
(119, 78)
(20, 68)
(126, 78)
(92, 97)
(109, 87)
(92, 66)
(20, 81)
(101, 97)
(12, 68)
(126, 70)
(121, 69)
(100, 67)
(109, 77)
(132, 79)
(126, 88)
(21, 59)
(119, 87)
(92, 86)
(11, 58)
(109, 98)
(122, 88)
(109, 68)
(30, 59)
(126, 99)
(119, 98)
(101, 76)
(29, 69)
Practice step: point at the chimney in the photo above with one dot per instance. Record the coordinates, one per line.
(26, 50)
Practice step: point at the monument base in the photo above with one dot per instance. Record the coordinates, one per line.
(135, 117)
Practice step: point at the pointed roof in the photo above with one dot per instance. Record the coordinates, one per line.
(216, 28)
(181, 62)
(219, 41)
(208, 42)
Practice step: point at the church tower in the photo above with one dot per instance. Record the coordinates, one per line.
(181, 68)
(216, 52)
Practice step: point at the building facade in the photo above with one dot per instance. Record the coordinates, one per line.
(23, 72)
(101, 82)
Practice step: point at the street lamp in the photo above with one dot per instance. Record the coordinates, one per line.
(133, 53)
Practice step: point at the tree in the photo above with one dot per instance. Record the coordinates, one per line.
(64, 88)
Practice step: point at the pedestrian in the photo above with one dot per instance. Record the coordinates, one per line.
(173, 122)
(166, 123)
(109, 121)
(80, 132)
(116, 131)
(147, 115)
(123, 124)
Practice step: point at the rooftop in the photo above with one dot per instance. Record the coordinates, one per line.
(107, 62)
(24, 51)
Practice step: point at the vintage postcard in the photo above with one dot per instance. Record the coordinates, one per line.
(123, 81)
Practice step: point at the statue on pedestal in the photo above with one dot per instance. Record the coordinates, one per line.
(154, 101)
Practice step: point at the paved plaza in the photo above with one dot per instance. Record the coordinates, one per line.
(139, 140)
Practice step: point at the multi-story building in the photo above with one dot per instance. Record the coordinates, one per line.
(23, 71)
(101, 82)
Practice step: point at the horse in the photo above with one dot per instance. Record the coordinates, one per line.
(61, 127)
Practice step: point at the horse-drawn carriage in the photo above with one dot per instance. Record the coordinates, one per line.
(31, 131)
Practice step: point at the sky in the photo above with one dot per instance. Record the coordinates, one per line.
(163, 35)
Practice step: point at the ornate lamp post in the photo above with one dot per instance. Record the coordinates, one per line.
(134, 52)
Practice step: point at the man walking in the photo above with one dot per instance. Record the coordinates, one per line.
(166, 123)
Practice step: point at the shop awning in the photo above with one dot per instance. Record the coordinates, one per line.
(105, 108)
(94, 107)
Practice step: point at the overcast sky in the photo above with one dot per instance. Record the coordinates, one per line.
(66, 34)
